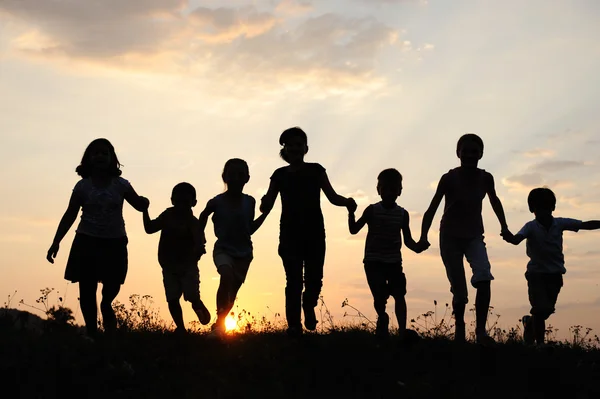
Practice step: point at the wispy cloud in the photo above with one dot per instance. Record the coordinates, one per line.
(233, 45)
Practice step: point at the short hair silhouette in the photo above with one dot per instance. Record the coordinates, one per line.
(469, 137)
(185, 190)
(389, 176)
(86, 168)
(287, 135)
(541, 198)
(231, 163)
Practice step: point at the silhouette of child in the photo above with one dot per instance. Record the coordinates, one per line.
(387, 222)
(302, 231)
(99, 250)
(461, 232)
(180, 247)
(234, 223)
(546, 264)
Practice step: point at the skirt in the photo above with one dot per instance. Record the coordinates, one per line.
(97, 259)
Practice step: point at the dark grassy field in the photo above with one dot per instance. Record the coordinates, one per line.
(269, 365)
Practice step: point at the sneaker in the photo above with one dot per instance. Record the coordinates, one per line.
(294, 332)
(483, 339)
(180, 331)
(459, 332)
(310, 318)
(202, 313)
(217, 331)
(528, 337)
(383, 322)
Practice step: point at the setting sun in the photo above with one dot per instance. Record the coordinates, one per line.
(230, 323)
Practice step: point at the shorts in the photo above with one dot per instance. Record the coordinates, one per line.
(543, 290)
(97, 259)
(185, 282)
(238, 265)
(385, 279)
(453, 250)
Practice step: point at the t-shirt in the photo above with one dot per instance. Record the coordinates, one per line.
(300, 191)
(464, 191)
(233, 224)
(176, 248)
(545, 246)
(102, 207)
(384, 240)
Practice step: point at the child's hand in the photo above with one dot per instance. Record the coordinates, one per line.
(351, 205)
(199, 251)
(263, 205)
(52, 252)
(145, 203)
(507, 235)
(422, 245)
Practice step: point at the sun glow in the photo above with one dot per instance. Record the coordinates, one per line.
(230, 323)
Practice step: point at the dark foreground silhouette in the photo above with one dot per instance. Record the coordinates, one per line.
(269, 365)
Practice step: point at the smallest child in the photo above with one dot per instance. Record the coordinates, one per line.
(546, 264)
(387, 222)
(180, 247)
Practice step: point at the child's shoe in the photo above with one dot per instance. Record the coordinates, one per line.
(310, 318)
(382, 329)
(482, 338)
(528, 336)
(217, 331)
(202, 313)
(459, 332)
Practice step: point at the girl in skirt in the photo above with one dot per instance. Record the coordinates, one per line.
(99, 250)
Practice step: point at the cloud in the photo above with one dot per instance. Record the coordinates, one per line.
(524, 181)
(556, 166)
(293, 7)
(528, 181)
(231, 45)
(539, 153)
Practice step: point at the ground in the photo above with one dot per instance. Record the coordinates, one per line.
(269, 365)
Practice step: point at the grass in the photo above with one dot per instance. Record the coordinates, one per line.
(146, 360)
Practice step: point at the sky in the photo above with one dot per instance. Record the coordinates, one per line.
(181, 86)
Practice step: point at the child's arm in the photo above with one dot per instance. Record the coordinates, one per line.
(356, 225)
(332, 196)
(65, 224)
(511, 238)
(151, 226)
(430, 213)
(255, 224)
(138, 202)
(268, 200)
(590, 225)
(199, 239)
(408, 239)
(496, 203)
(203, 218)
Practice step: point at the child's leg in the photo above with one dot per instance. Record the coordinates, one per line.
(224, 302)
(397, 286)
(452, 255)
(189, 281)
(476, 255)
(543, 292)
(376, 278)
(110, 291)
(313, 282)
(293, 291)
(482, 305)
(89, 307)
(176, 313)
(173, 291)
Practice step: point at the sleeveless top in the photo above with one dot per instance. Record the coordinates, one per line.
(464, 191)
(102, 208)
(300, 189)
(384, 239)
(233, 225)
